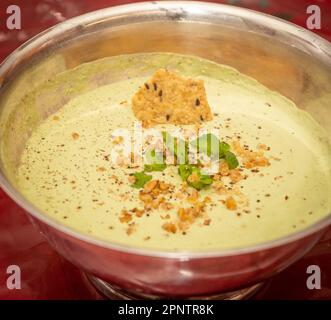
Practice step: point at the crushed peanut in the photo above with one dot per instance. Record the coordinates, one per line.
(231, 203)
(169, 227)
(125, 216)
(75, 135)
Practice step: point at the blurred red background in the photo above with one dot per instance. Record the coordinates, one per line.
(38, 15)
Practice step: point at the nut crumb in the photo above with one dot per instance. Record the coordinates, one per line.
(75, 135)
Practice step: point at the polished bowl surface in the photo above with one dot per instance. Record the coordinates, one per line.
(280, 55)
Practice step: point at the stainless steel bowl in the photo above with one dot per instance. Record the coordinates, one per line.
(280, 55)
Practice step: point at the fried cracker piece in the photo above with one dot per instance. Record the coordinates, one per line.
(170, 98)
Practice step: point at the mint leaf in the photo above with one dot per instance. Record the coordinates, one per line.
(203, 181)
(185, 171)
(141, 179)
(224, 148)
(169, 141)
(154, 167)
(181, 151)
(210, 145)
(155, 161)
(231, 160)
(207, 144)
(176, 146)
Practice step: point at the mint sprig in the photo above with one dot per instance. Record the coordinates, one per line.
(177, 147)
(141, 179)
(210, 145)
(202, 181)
(231, 160)
(155, 161)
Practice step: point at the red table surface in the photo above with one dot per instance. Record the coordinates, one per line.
(46, 275)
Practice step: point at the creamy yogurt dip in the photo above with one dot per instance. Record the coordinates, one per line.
(66, 172)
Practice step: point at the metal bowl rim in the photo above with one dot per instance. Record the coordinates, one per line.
(146, 7)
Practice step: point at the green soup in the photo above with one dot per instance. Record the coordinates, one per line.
(60, 171)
